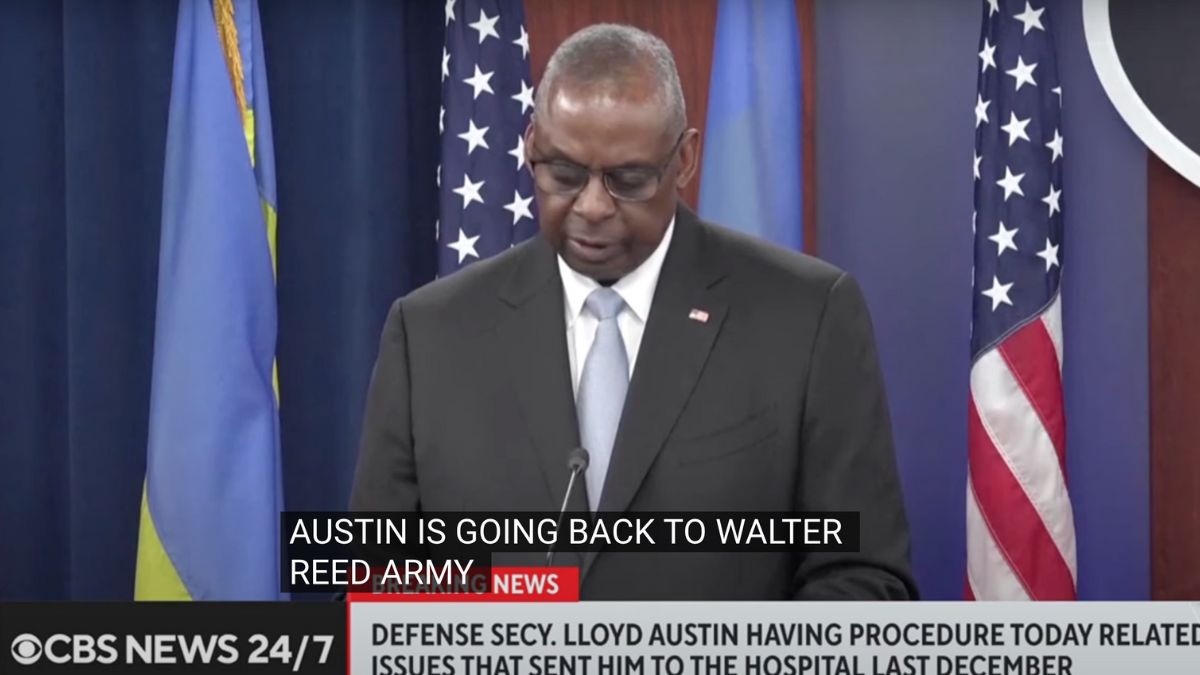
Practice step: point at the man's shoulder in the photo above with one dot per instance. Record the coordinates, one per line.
(471, 294)
(758, 263)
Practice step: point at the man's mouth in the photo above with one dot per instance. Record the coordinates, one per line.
(590, 250)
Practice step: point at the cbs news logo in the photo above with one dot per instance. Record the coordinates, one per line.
(27, 649)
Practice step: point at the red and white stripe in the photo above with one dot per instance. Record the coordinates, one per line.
(1020, 528)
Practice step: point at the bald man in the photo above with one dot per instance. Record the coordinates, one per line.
(703, 370)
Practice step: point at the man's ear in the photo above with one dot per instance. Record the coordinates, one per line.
(528, 136)
(689, 157)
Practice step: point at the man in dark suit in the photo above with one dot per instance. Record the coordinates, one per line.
(702, 369)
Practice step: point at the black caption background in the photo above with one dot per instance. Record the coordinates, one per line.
(379, 555)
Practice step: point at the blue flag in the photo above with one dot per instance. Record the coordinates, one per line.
(751, 172)
(210, 512)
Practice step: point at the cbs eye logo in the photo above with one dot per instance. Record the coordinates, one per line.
(26, 649)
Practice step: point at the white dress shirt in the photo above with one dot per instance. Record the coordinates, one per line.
(635, 288)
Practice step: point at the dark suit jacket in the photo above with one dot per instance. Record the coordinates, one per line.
(775, 403)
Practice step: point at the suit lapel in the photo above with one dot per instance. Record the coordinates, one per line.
(534, 341)
(674, 349)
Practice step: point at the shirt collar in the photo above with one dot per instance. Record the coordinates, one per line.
(635, 288)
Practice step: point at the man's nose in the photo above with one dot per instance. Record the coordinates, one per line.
(593, 203)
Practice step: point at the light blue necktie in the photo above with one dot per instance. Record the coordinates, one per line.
(602, 389)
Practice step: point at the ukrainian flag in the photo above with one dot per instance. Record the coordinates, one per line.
(210, 510)
(751, 172)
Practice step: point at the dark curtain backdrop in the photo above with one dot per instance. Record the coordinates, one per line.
(84, 87)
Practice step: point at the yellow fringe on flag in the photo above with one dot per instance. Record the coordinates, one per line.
(227, 31)
(223, 14)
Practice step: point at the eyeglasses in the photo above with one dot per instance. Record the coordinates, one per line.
(624, 183)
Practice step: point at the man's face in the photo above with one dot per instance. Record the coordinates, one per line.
(623, 133)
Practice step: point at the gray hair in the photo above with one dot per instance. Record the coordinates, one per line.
(613, 54)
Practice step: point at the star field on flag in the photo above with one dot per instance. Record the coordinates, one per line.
(485, 191)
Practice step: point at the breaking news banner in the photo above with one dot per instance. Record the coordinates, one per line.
(441, 634)
(759, 638)
(453, 552)
(440, 594)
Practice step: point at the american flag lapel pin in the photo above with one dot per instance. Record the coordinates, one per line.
(698, 315)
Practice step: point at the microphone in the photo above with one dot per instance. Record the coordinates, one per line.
(577, 462)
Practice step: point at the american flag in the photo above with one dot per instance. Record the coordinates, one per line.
(485, 189)
(1020, 529)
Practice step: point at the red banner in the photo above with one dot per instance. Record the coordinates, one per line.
(503, 584)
